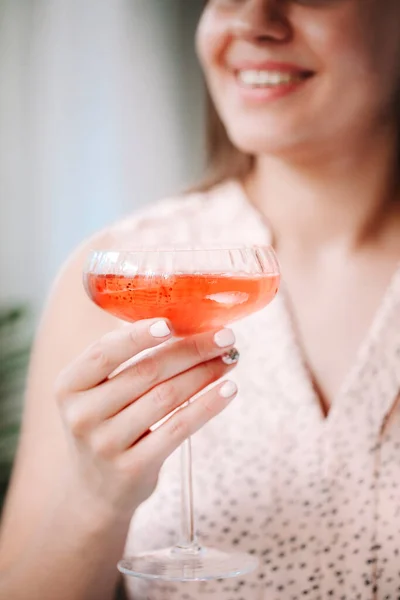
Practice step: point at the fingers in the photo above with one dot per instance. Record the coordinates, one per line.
(102, 358)
(108, 413)
(162, 365)
(85, 410)
(130, 425)
(156, 447)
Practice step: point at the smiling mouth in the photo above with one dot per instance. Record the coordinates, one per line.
(256, 79)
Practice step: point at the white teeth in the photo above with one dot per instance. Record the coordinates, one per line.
(267, 78)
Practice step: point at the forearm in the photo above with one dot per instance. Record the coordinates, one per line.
(72, 557)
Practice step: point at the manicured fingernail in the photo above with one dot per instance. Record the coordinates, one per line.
(160, 329)
(231, 357)
(228, 390)
(224, 338)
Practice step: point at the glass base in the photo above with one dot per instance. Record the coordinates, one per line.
(180, 564)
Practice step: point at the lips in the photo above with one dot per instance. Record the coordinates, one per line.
(260, 82)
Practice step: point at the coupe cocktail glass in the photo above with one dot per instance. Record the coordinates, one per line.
(198, 290)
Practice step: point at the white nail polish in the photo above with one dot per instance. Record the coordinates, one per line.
(160, 329)
(228, 390)
(224, 338)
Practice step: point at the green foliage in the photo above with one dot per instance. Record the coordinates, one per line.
(14, 355)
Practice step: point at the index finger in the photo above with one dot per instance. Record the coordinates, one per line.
(103, 357)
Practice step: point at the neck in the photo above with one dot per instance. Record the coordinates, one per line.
(328, 201)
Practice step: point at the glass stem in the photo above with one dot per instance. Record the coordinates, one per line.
(188, 538)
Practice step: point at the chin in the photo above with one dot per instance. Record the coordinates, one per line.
(266, 140)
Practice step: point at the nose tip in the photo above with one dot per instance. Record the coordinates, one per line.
(261, 21)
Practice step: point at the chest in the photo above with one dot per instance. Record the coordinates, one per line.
(314, 498)
(333, 310)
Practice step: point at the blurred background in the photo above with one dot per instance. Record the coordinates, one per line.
(101, 112)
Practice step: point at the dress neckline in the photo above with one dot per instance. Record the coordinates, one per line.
(382, 335)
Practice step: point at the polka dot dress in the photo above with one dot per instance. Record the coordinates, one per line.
(316, 499)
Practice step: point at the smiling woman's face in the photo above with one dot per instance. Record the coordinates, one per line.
(287, 73)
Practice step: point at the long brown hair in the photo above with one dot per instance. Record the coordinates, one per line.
(224, 160)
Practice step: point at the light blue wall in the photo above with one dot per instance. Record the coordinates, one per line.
(101, 111)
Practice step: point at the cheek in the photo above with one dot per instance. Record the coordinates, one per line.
(339, 46)
(211, 41)
(353, 49)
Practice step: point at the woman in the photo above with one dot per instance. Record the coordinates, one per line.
(305, 155)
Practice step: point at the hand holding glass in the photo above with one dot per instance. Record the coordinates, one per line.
(198, 290)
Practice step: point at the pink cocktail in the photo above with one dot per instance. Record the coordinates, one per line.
(197, 290)
(192, 302)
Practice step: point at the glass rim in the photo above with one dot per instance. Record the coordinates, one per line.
(181, 249)
(263, 254)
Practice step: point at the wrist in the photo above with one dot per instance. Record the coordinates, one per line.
(91, 511)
